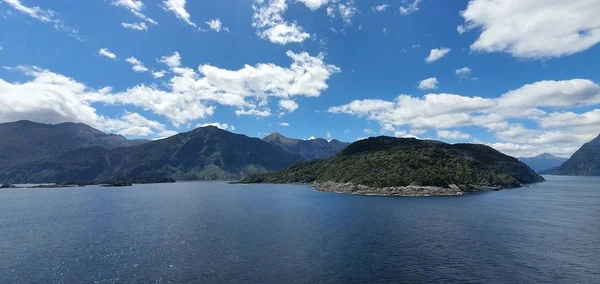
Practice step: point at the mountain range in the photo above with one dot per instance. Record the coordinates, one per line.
(317, 148)
(35, 153)
(543, 162)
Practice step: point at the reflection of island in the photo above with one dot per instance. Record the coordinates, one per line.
(407, 167)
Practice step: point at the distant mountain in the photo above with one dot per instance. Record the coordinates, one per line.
(543, 162)
(311, 149)
(204, 153)
(24, 140)
(382, 164)
(585, 162)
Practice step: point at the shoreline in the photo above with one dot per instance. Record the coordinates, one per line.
(406, 191)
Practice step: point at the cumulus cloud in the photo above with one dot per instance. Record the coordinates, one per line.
(315, 4)
(223, 126)
(177, 7)
(437, 54)
(534, 28)
(288, 105)
(106, 53)
(410, 8)
(137, 65)
(530, 102)
(284, 124)
(216, 25)
(187, 95)
(428, 84)
(270, 24)
(172, 61)
(53, 98)
(159, 74)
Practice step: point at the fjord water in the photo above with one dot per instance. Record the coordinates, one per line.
(213, 232)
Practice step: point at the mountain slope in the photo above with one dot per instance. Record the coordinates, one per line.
(309, 149)
(543, 162)
(204, 153)
(385, 162)
(24, 140)
(585, 162)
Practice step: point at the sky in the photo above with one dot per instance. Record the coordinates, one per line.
(520, 76)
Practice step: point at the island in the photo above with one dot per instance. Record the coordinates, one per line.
(407, 167)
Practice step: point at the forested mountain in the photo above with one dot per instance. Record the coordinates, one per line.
(311, 149)
(395, 162)
(204, 153)
(585, 162)
(23, 141)
(543, 162)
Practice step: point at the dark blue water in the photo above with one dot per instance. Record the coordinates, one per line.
(212, 232)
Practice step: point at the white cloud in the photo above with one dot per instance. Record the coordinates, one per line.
(380, 8)
(368, 131)
(328, 135)
(135, 7)
(178, 8)
(463, 72)
(284, 124)
(437, 54)
(270, 24)
(141, 26)
(216, 25)
(105, 52)
(453, 134)
(53, 98)
(288, 105)
(410, 8)
(556, 130)
(172, 61)
(534, 28)
(44, 15)
(137, 65)
(315, 4)
(223, 126)
(188, 95)
(428, 84)
(159, 74)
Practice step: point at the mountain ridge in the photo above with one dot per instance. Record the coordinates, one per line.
(543, 162)
(310, 149)
(584, 162)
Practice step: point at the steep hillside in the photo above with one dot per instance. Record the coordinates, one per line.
(585, 162)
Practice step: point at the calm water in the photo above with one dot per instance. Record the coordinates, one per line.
(212, 232)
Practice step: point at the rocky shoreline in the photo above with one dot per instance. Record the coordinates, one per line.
(452, 190)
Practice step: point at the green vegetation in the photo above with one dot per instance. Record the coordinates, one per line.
(393, 162)
(203, 153)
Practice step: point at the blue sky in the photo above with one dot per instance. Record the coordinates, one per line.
(521, 77)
